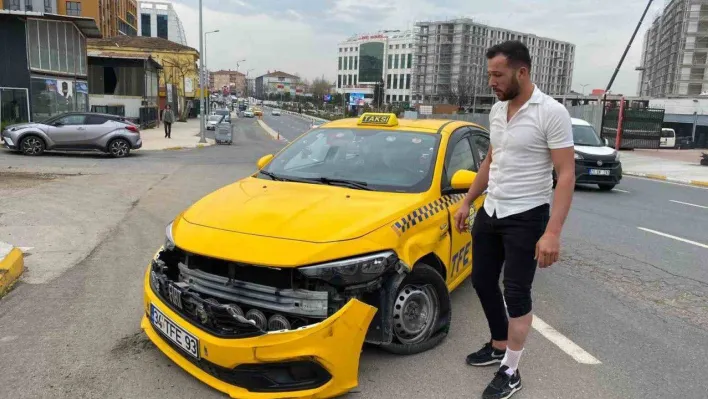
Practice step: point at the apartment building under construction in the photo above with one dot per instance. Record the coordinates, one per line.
(675, 51)
(450, 59)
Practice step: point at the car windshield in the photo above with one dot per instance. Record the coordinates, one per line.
(586, 135)
(380, 160)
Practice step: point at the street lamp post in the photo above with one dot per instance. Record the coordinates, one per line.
(206, 68)
(584, 86)
(202, 118)
(247, 87)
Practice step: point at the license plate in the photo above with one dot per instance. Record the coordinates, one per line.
(188, 342)
(599, 172)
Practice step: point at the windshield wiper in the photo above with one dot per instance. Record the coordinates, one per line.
(272, 175)
(344, 182)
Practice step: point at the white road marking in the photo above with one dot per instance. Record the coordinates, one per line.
(666, 182)
(621, 191)
(674, 237)
(25, 249)
(690, 204)
(561, 341)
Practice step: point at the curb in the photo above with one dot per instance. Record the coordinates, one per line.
(12, 266)
(272, 133)
(653, 176)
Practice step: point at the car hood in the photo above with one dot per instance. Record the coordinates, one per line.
(298, 211)
(590, 150)
(25, 126)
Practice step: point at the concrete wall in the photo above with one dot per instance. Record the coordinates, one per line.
(681, 106)
(132, 104)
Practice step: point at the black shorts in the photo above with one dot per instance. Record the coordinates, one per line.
(509, 242)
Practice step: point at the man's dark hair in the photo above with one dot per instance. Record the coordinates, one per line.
(516, 53)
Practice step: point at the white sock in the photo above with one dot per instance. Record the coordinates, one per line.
(511, 360)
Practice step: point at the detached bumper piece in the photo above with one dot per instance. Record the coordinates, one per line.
(264, 377)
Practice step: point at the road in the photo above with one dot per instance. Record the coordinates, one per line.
(289, 126)
(634, 300)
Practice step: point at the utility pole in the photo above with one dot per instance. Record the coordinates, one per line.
(619, 65)
(202, 118)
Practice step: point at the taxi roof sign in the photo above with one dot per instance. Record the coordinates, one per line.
(378, 119)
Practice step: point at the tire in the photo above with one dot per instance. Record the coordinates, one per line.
(606, 187)
(32, 145)
(422, 288)
(119, 148)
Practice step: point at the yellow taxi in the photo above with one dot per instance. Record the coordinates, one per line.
(269, 287)
(257, 111)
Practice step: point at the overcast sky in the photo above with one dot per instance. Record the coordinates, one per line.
(301, 36)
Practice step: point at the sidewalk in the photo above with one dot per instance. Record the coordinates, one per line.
(680, 166)
(11, 266)
(184, 135)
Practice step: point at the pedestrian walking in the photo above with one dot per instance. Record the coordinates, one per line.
(530, 135)
(168, 117)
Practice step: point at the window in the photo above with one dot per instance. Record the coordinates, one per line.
(390, 61)
(408, 81)
(70, 120)
(145, 25)
(351, 63)
(410, 60)
(460, 157)
(354, 80)
(395, 61)
(48, 6)
(56, 46)
(162, 26)
(28, 5)
(371, 60)
(385, 160)
(345, 63)
(400, 81)
(73, 8)
(388, 99)
(95, 120)
(356, 61)
(481, 145)
(51, 96)
(388, 81)
(349, 80)
(14, 106)
(395, 81)
(339, 81)
(340, 63)
(13, 5)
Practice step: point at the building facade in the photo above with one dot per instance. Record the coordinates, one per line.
(178, 78)
(675, 51)
(234, 80)
(46, 6)
(44, 76)
(450, 61)
(159, 19)
(365, 60)
(277, 82)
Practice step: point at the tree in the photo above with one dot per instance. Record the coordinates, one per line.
(180, 67)
(320, 87)
(461, 91)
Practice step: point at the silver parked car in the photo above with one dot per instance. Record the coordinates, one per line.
(74, 131)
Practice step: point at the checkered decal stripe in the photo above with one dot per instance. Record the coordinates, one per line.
(426, 212)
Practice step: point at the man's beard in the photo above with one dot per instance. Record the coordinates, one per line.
(511, 92)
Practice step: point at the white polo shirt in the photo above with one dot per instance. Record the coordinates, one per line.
(520, 175)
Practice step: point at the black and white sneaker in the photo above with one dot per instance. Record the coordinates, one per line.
(503, 385)
(486, 356)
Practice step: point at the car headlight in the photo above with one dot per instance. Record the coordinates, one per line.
(352, 271)
(617, 155)
(578, 156)
(169, 239)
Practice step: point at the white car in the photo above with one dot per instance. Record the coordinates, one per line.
(213, 120)
(248, 113)
(275, 112)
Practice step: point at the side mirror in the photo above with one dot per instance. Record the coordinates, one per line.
(462, 179)
(263, 161)
(607, 143)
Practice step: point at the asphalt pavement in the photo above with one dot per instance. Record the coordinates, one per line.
(624, 314)
(289, 126)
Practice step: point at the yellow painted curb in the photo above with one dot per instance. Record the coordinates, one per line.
(11, 269)
(653, 176)
(699, 183)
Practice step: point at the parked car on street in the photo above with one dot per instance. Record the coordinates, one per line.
(213, 120)
(225, 113)
(350, 240)
(75, 131)
(595, 161)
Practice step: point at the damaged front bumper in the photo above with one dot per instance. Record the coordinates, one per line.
(316, 361)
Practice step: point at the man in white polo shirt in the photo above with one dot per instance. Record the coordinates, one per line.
(531, 134)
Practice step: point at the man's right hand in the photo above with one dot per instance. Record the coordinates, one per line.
(461, 217)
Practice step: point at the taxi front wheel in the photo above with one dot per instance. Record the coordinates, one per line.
(421, 312)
